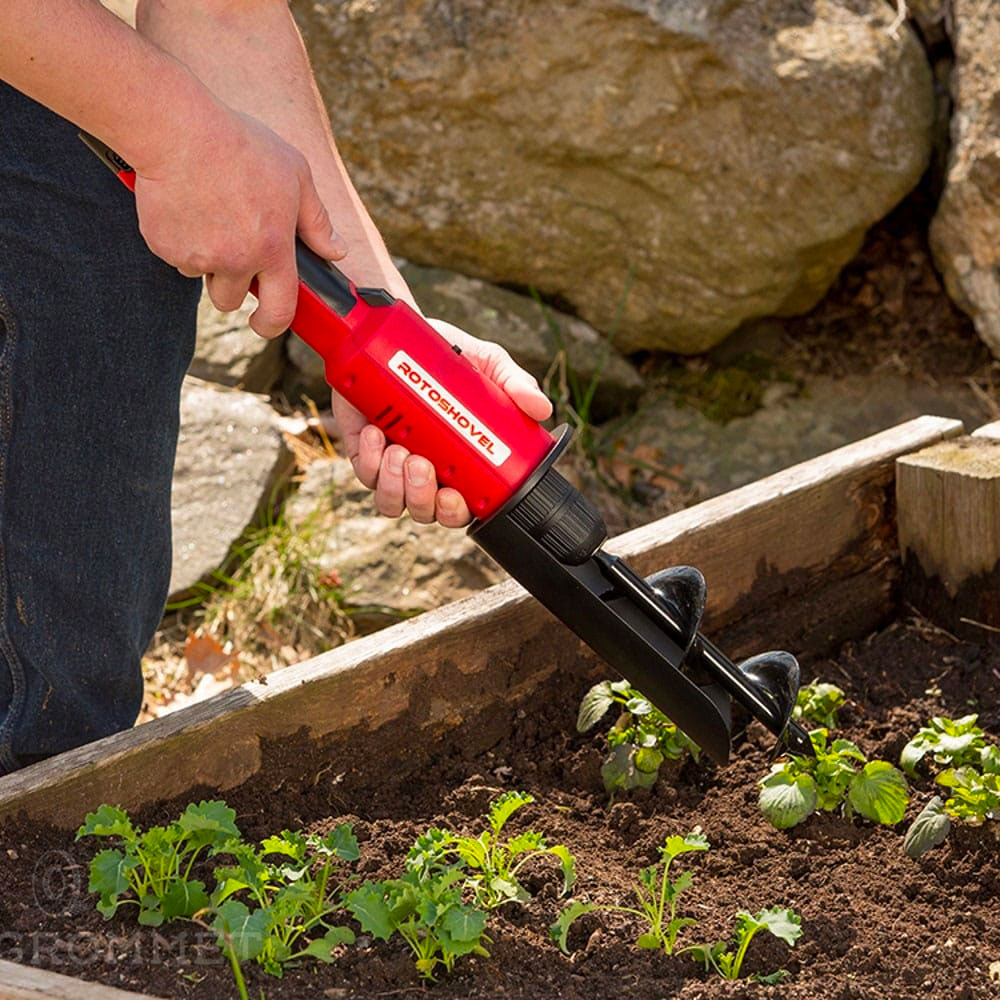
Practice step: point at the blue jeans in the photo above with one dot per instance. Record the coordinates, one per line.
(95, 336)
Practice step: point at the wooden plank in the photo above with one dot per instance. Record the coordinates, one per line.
(948, 503)
(21, 982)
(761, 547)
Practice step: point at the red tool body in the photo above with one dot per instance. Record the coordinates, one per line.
(392, 365)
(395, 368)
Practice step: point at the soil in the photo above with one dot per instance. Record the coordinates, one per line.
(875, 924)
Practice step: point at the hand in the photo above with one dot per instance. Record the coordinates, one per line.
(229, 208)
(404, 481)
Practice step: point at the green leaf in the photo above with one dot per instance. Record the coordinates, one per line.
(674, 845)
(369, 907)
(342, 842)
(322, 948)
(648, 941)
(240, 929)
(184, 899)
(990, 759)
(648, 760)
(506, 806)
(594, 706)
(567, 864)
(880, 793)
(108, 821)
(781, 922)
(772, 979)
(911, 756)
(786, 799)
(109, 873)
(464, 925)
(928, 830)
(209, 822)
(559, 931)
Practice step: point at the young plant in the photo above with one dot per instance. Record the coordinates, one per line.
(492, 863)
(657, 895)
(295, 880)
(953, 743)
(818, 703)
(640, 740)
(427, 911)
(151, 869)
(726, 958)
(840, 776)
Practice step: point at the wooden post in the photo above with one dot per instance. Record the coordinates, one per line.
(948, 514)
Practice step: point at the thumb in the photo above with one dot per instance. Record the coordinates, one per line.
(314, 225)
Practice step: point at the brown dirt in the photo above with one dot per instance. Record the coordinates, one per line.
(875, 923)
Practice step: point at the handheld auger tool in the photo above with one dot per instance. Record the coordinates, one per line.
(409, 381)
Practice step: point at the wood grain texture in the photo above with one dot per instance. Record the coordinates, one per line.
(820, 528)
(21, 982)
(948, 501)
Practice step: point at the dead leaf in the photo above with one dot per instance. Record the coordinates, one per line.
(204, 655)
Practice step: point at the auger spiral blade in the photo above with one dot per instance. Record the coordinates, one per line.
(548, 537)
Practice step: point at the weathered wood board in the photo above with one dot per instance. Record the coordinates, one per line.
(20, 982)
(800, 557)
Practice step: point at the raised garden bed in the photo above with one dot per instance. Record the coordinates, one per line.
(427, 723)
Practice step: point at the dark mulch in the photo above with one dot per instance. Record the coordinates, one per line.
(875, 923)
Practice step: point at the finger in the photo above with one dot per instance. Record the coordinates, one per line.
(523, 389)
(367, 461)
(421, 489)
(390, 491)
(227, 291)
(314, 225)
(450, 509)
(277, 296)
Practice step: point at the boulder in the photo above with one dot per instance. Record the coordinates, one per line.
(668, 169)
(389, 568)
(965, 233)
(230, 456)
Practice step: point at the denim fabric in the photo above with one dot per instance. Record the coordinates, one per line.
(95, 336)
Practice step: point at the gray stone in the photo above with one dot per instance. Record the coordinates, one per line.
(230, 353)
(393, 567)
(789, 428)
(668, 168)
(965, 233)
(535, 337)
(230, 456)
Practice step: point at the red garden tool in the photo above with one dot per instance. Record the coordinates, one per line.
(405, 378)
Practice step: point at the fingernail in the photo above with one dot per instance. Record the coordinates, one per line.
(339, 244)
(395, 460)
(372, 436)
(449, 503)
(418, 473)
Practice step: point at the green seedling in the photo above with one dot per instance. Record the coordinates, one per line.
(818, 703)
(726, 957)
(657, 896)
(492, 863)
(953, 743)
(840, 776)
(151, 869)
(641, 739)
(295, 880)
(426, 909)
(974, 798)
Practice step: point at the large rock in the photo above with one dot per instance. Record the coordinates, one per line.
(687, 164)
(230, 455)
(390, 568)
(965, 234)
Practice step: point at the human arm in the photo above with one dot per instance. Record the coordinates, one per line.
(251, 55)
(86, 65)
